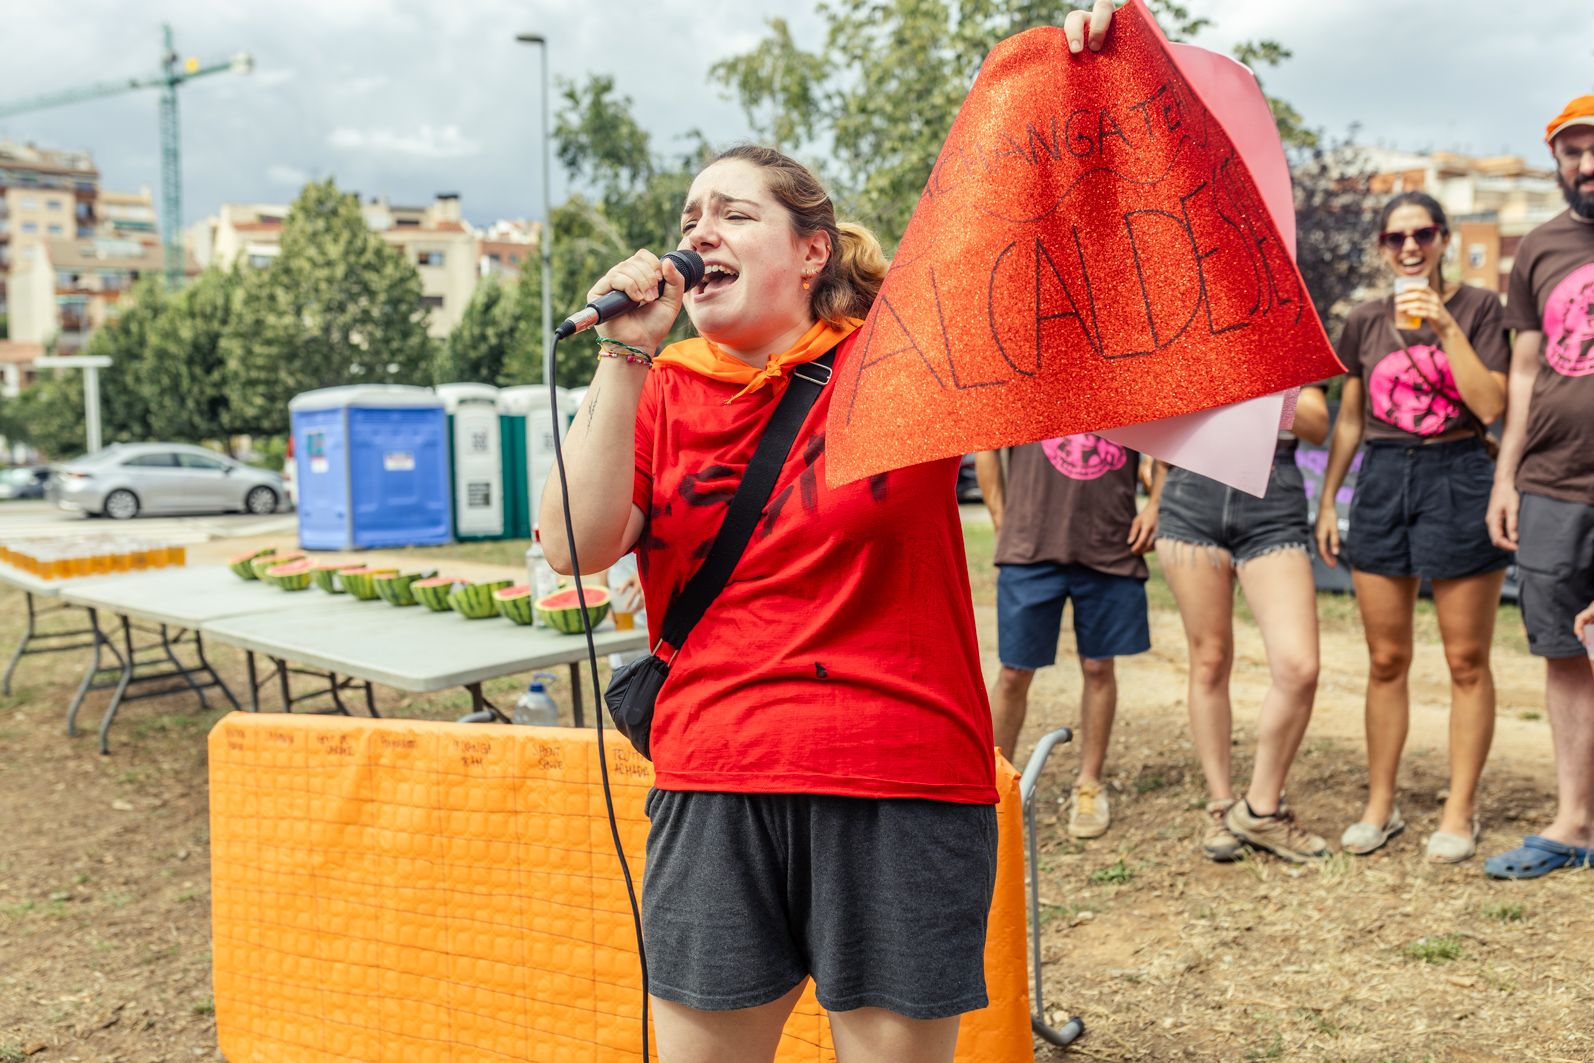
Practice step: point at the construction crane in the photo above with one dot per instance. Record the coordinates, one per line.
(173, 74)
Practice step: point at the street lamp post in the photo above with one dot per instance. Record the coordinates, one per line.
(545, 238)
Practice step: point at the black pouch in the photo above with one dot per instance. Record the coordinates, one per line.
(631, 694)
(634, 688)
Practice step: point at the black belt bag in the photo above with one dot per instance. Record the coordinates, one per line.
(634, 689)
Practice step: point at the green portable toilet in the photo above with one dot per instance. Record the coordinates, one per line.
(526, 408)
(512, 434)
(475, 449)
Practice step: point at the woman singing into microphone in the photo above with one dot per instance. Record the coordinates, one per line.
(824, 790)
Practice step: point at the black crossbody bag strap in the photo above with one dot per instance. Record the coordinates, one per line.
(747, 506)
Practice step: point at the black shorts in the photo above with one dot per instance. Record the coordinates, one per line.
(1555, 571)
(1200, 512)
(1419, 510)
(884, 902)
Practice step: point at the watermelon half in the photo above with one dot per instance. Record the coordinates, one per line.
(515, 603)
(293, 576)
(243, 567)
(358, 580)
(475, 601)
(561, 610)
(272, 559)
(433, 593)
(394, 587)
(325, 575)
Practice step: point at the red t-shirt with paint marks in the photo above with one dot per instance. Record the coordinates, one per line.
(841, 657)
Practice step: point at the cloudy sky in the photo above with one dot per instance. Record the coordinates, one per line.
(407, 98)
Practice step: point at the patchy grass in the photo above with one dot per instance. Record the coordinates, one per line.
(1445, 948)
(1117, 874)
(1504, 911)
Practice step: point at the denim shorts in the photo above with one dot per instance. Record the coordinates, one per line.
(883, 901)
(1200, 512)
(1419, 510)
(1109, 613)
(1555, 571)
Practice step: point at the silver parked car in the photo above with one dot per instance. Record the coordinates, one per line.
(127, 479)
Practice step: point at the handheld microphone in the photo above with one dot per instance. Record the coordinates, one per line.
(613, 304)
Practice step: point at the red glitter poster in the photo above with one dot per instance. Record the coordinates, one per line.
(1090, 251)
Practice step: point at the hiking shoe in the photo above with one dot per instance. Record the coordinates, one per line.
(1220, 845)
(1088, 816)
(1278, 834)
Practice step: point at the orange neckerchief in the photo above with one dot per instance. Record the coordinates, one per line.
(705, 357)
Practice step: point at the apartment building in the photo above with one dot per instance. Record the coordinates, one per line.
(1492, 201)
(43, 193)
(506, 247)
(434, 238)
(67, 288)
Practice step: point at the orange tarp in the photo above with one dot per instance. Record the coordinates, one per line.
(403, 890)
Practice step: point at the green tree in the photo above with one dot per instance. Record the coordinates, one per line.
(628, 196)
(48, 414)
(183, 380)
(336, 306)
(888, 83)
(493, 330)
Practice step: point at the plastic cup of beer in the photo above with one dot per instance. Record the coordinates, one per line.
(1406, 284)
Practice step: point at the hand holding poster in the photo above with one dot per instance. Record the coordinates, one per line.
(1089, 252)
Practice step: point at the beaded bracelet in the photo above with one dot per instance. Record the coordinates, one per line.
(633, 355)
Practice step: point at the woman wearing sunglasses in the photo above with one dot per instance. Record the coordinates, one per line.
(1427, 372)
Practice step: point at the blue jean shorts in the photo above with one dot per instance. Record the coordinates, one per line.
(1419, 510)
(1200, 512)
(1109, 613)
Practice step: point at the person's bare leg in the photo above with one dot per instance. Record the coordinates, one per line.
(747, 1035)
(1569, 696)
(875, 1035)
(1466, 609)
(1009, 706)
(1283, 598)
(1387, 605)
(1098, 704)
(1202, 581)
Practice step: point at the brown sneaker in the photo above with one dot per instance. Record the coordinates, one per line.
(1278, 834)
(1220, 844)
(1088, 816)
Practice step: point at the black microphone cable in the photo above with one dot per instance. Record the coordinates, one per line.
(598, 708)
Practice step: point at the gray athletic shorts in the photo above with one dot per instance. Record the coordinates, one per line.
(884, 902)
(1555, 571)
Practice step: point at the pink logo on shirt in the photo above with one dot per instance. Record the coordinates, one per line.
(1085, 456)
(1414, 390)
(1569, 324)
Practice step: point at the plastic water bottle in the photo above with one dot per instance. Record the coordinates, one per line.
(544, 580)
(535, 707)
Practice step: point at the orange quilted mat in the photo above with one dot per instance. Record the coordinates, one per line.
(398, 890)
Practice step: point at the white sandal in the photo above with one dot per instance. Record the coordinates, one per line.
(1360, 839)
(1445, 848)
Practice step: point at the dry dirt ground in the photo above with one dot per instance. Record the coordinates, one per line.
(104, 899)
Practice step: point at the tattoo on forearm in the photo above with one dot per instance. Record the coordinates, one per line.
(592, 408)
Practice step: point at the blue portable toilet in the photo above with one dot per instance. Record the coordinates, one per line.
(372, 467)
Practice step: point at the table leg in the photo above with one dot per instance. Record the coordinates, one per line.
(575, 694)
(199, 648)
(121, 686)
(94, 670)
(254, 682)
(282, 683)
(370, 701)
(337, 696)
(27, 636)
(187, 676)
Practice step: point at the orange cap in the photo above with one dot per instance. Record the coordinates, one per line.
(1579, 112)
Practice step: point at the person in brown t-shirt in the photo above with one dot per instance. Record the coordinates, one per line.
(1542, 506)
(1426, 376)
(1067, 530)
